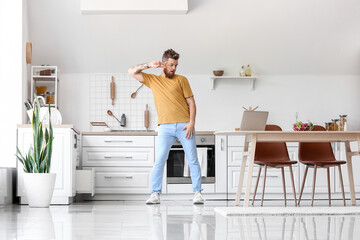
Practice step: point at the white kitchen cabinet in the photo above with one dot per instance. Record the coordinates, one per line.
(118, 141)
(274, 178)
(221, 152)
(105, 156)
(119, 164)
(63, 163)
(122, 180)
(355, 164)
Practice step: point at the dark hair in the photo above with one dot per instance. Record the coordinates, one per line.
(170, 54)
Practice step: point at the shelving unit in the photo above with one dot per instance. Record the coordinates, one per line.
(50, 81)
(251, 78)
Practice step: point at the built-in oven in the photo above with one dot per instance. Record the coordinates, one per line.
(177, 167)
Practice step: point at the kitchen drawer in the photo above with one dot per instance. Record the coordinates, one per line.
(118, 141)
(236, 141)
(273, 180)
(235, 155)
(96, 156)
(117, 180)
(85, 181)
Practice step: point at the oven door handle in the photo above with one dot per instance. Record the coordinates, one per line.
(172, 149)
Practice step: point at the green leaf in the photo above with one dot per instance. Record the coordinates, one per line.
(39, 155)
(49, 147)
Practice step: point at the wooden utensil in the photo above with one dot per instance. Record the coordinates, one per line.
(133, 95)
(111, 114)
(146, 120)
(28, 52)
(112, 90)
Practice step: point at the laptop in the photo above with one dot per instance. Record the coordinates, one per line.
(254, 121)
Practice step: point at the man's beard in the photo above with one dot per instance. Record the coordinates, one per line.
(168, 74)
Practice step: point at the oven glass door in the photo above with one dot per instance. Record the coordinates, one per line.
(176, 173)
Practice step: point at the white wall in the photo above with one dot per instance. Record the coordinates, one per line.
(306, 53)
(11, 78)
(315, 98)
(277, 37)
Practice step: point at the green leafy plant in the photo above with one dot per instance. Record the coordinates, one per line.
(38, 158)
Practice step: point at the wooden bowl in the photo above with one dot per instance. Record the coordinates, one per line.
(218, 72)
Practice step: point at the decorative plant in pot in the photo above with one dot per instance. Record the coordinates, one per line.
(38, 181)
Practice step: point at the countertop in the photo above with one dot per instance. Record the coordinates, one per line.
(54, 126)
(137, 133)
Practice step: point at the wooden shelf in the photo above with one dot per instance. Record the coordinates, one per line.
(44, 78)
(251, 78)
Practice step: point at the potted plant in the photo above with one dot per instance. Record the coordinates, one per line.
(38, 181)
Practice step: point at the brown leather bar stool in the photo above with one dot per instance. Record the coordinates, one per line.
(319, 155)
(273, 155)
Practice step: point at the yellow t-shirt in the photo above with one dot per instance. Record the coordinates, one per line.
(170, 97)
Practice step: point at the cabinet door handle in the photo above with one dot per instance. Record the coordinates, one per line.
(124, 141)
(128, 157)
(221, 144)
(267, 176)
(118, 177)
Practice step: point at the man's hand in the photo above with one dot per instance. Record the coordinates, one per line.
(156, 64)
(189, 130)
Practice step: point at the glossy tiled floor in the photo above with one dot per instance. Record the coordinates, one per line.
(170, 220)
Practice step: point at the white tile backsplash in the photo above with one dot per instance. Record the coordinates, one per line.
(100, 101)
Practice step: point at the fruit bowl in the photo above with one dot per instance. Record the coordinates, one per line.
(301, 126)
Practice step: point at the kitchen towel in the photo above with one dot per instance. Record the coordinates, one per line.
(202, 158)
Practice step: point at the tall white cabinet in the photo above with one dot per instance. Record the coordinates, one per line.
(65, 157)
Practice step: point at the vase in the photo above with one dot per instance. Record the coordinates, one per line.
(39, 188)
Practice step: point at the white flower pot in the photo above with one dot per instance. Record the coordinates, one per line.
(39, 188)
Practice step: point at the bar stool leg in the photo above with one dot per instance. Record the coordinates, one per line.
(283, 181)
(293, 184)
(303, 183)
(313, 192)
(256, 185)
(342, 184)
(328, 180)
(263, 192)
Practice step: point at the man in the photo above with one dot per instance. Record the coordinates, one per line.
(176, 109)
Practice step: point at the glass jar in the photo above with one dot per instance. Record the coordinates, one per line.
(50, 97)
(335, 126)
(343, 124)
(328, 126)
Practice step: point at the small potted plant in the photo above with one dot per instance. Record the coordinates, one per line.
(38, 181)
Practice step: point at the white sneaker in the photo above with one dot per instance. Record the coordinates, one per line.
(198, 199)
(154, 198)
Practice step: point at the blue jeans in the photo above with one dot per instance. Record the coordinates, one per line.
(167, 135)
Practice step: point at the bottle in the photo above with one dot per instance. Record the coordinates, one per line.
(242, 71)
(123, 120)
(248, 70)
